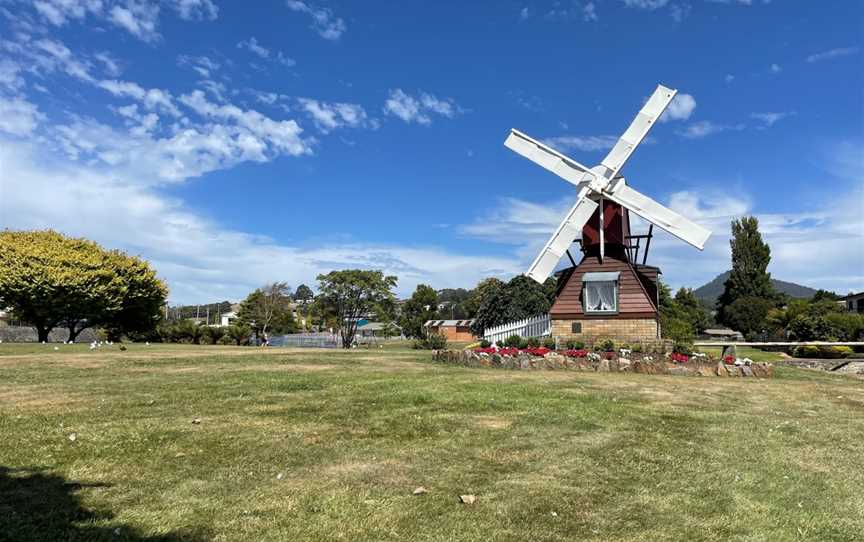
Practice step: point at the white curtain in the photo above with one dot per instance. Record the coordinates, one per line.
(600, 296)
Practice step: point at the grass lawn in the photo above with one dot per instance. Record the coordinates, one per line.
(329, 445)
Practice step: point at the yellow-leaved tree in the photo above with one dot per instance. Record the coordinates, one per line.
(51, 280)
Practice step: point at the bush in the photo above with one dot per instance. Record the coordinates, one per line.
(573, 344)
(225, 340)
(637, 348)
(533, 342)
(212, 335)
(826, 352)
(549, 342)
(604, 345)
(513, 341)
(683, 347)
(523, 344)
(432, 341)
(485, 344)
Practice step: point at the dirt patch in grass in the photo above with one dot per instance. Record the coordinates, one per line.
(35, 398)
(492, 422)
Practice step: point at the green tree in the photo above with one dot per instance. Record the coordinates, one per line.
(240, 334)
(490, 300)
(692, 310)
(49, 279)
(529, 298)
(267, 309)
(420, 307)
(303, 296)
(749, 277)
(748, 315)
(348, 294)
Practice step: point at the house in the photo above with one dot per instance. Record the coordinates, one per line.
(227, 318)
(452, 330)
(854, 302)
(722, 335)
(377, 329)
(608, 294)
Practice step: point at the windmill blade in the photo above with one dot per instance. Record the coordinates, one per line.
(545, 156)
(569, 229)
(663, 217)
(637, 131)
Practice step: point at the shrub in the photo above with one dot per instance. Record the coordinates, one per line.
(683, 347)
(523, 344)
(637, 348)
(433, 341)
(212, 335)
(533, 342)
(513, 341)
(549, 342)
(826, 352)
(225, 340)
(573, 344)
(604, 345)
(485, 344)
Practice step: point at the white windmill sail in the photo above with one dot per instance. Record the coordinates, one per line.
(663, 217)
(569, 229)
(603, 181)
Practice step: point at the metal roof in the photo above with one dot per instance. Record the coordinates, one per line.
(601, 277)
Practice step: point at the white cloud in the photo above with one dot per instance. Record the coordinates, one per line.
(704, 128)
(589, 12)
(256, 48)
(729, 78)
(680, 108)
(324, 21)
(200, 259)
(111, 64)
(153, 98)
(418, 109)
(10, 75)
(775, 68)
(679, 12)
(329, 116)
(196, 9)
(768, 119)
(524, 13)
(646, 4)
(832, 53)
(18, 116)
(582, 143)
(138, 17)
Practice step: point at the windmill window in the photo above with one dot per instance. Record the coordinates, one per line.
(600, 293)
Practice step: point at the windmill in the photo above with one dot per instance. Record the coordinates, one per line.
(604, 182)
(608, 293)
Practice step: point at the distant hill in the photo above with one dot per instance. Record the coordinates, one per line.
(708, 293)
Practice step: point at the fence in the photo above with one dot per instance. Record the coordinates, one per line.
(537, 326)
(306, 340)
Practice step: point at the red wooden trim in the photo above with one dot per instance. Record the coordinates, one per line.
(619, 316)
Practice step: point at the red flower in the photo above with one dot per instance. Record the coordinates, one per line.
(609, 355)
(576, 353)
(679, 358)
(729, 360)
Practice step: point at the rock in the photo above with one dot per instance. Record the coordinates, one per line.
(603, 366)
(758, 370)
(196, 421)
(467, 499)
(721, 369)
(769, 370)
(420, 491)
(706, 371)
(624, 365)
(279, 476)
(73, 437)
(746, 370)
(679, 370)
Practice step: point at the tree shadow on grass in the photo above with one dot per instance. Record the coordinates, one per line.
(36, 505)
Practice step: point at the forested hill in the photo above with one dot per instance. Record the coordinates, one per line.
(709, 292)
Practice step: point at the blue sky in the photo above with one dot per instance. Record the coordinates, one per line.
(235, 145)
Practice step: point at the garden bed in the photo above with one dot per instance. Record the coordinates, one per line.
(610, 362)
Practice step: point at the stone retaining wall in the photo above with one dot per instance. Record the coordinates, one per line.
(642, 364)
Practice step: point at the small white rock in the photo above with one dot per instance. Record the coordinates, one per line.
(73, 437)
